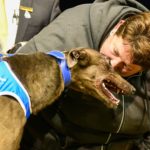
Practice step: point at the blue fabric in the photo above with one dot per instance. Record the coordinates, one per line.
(63, 65)
(10, 85)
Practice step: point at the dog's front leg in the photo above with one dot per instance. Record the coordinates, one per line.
(12, 121)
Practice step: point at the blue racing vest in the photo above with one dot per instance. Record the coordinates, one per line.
(10, 85)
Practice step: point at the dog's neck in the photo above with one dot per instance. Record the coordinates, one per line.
(60, 57)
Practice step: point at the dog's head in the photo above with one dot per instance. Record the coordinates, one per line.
(92, 75)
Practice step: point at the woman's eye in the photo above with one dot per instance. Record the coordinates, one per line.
(115, 52)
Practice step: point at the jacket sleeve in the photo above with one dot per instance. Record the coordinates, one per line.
(66, 31)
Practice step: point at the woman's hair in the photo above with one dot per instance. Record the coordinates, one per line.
(136, 30)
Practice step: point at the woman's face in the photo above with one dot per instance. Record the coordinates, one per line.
(119, 54)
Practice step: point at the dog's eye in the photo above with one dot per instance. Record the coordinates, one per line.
(93, 76)
(108, 60)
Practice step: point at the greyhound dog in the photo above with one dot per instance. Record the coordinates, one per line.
(43, 76)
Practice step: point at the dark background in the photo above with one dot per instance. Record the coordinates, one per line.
(64, 4)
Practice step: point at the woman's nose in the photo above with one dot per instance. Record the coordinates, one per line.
(126, 68)
(117, 65)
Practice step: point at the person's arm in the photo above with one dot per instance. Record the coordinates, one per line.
(16, 47)
(67, 31)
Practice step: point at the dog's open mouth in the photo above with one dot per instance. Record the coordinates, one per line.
(108, 87)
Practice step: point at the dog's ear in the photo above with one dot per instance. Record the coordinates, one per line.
(77, 56)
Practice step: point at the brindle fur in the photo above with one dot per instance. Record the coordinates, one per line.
(41, 76)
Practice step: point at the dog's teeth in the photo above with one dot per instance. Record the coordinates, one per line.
(118, 91)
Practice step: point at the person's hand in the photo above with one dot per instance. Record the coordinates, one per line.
(16, 47)
(143, 144)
